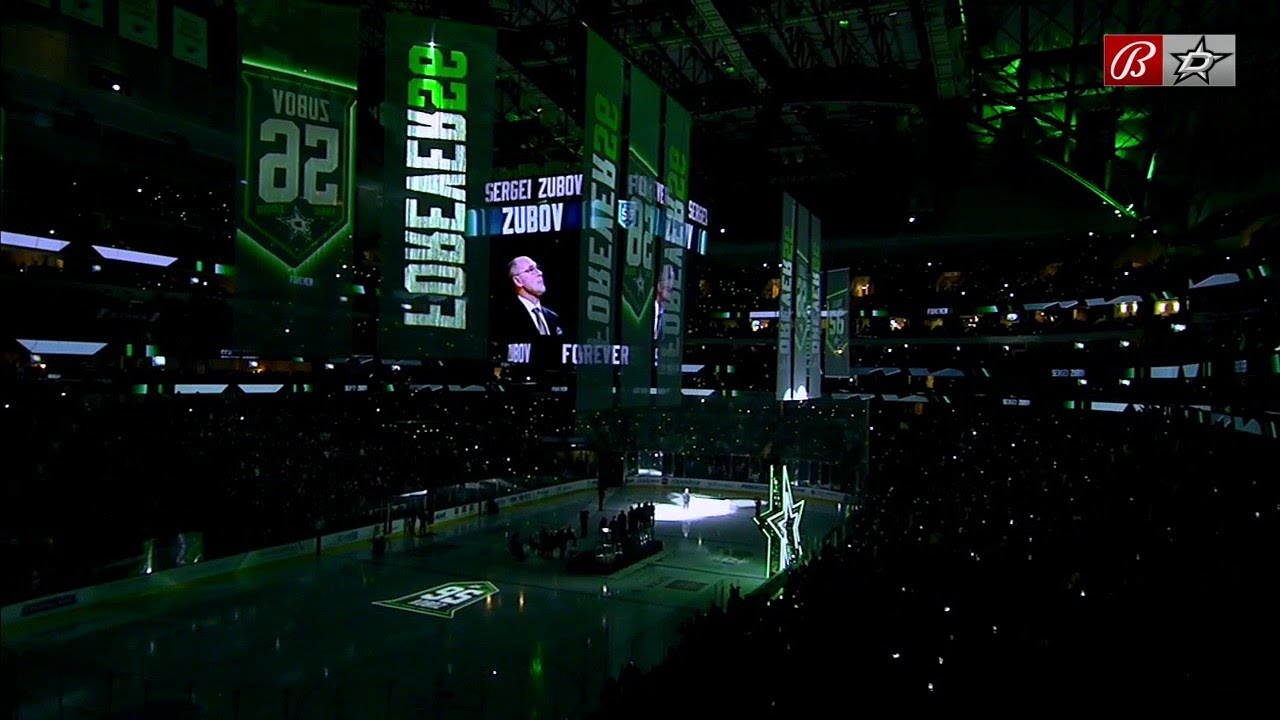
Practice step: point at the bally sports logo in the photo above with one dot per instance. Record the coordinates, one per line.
(1169, 60)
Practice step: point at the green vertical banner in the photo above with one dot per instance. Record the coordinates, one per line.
(813, 353)
(439, 117)
(671, 274)
(140, 22)
(89, 11)
(602, 181)
(294, 207)
(836, 362)
(786, 297)
(191, 36)
(803, 306)
(640, 328)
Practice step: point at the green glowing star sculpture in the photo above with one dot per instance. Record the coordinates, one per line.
(781, 523)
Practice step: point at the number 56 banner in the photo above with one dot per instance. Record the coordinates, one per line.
(295, 207)
(297, 194)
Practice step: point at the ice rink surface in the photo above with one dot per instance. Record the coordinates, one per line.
(304, 639)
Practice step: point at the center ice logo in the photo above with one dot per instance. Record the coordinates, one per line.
(443, 600)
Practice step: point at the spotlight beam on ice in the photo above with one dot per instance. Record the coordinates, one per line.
(700, 507)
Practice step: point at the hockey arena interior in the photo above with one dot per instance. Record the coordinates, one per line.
(373, 359)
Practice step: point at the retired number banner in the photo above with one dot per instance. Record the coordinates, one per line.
(640, 326)
(295, 209)
(837, 326)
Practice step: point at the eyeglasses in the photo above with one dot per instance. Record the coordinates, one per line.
(534, 268)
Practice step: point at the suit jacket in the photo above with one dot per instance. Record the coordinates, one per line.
(517, 325)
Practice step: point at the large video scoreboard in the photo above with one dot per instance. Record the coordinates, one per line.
(582, 267)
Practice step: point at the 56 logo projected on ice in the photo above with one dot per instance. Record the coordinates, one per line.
(1169, 60)
(443, 600)
(298, 150)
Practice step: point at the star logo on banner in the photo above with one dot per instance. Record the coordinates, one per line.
(639, 282)
(1197, 62)
(299, 225)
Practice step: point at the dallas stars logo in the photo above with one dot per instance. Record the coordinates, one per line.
(639, 283)
(781, 524)
(1197, 62)
(298, 224)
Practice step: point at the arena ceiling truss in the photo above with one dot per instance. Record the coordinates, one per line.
(819, 93)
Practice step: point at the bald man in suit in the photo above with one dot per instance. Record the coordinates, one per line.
(525, 317)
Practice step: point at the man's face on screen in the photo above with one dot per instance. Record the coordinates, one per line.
(527, 275)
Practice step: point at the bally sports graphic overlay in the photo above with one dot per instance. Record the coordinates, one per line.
(443, 601)
(441, 81)
(294, 206)
(836, 362)
(640, 319)
(671, 271)
(603, 179)
(1169, 60)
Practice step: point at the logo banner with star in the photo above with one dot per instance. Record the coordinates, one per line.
(639, 320)
(294, 203)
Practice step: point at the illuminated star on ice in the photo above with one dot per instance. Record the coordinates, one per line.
(781, 523)
(1197, 62)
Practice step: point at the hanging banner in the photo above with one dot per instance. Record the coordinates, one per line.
(671, 274)
(441, 82)
(603, 168)
(294, 212)
(836, 362)
(813, 353)
(89, 11)
(139, 22)
(640, 320)
(191, 38)
(786, 297)
(800, 324)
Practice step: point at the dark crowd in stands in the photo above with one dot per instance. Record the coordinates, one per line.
(246, 471)
(1004, 559)
(252, 471)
